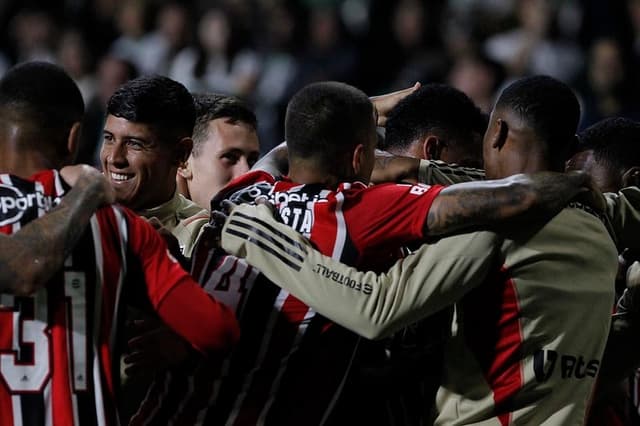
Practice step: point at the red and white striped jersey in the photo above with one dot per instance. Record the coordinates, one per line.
(291, 363)
(57, 346)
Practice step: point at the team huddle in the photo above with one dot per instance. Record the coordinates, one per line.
(457, 269)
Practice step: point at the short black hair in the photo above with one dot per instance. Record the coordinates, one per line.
(210, 106)
(615, 142)
(325, 121)
(550, 108)
(159, 102)
(436, 109)
(43, 98)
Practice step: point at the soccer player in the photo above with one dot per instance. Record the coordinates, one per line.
(518, 352)
(147, 136)
(225, 146)
(58, 346)
(436, 122)
(292, 365)
(48, 240)
(610, 154)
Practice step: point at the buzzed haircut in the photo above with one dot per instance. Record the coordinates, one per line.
(436, 109)
(615, 143)
(44, 101)
(326, 121)
(210, 106)
(156, 101)
(550, 108)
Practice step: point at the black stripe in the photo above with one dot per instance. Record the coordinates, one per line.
(267, 237)
(33, 409)
(265, 248)
(275, 231)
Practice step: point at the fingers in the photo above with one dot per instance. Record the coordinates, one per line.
(155, 222)
(227, 206)
(385, 103)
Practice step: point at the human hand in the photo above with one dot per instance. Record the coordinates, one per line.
(588, 192)
(385, 103)
(85, 176)
(155, 347)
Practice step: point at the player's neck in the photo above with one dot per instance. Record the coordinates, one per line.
(306, 173)
(24, 163)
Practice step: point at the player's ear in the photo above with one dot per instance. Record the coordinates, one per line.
(631, 177)
(358, 158)
(499, 134)
(432, 148)
(73, 140)
(182, 150)
(184, 170)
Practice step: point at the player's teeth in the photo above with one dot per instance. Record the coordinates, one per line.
(119, 177)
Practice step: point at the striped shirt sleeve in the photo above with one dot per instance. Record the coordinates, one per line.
(372, 305)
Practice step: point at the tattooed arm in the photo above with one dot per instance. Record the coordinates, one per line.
(32, 255)
(491, 203)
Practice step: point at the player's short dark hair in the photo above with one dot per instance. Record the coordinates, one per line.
(615, 142)
(325, 121)
(550, 108)
(43, 99)
(210, 106)
(436, 109)
(159, 102)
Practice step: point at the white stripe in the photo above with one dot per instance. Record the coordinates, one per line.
(97, 382)
(264, 345)
(124, 230)
(17, 410)
(58, 183)
(40, 189)
(336, 396)
(302, 329)
(161, 397)
(74, 402)
(187, 396)
(224, 371)
(48, 405)
(341, 228)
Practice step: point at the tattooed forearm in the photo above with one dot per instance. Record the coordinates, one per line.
(489, 204)
(31, 256)
(391, 168)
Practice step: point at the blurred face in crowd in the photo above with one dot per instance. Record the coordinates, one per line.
(138, 165)
(229, 151)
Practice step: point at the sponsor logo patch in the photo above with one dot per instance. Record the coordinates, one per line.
(14, 203)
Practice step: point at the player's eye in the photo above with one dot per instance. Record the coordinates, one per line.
(230, 157)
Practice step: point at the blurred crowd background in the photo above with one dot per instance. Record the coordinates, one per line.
(265, 50)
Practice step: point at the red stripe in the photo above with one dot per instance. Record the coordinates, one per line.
(494, 334)
(505, 374)
(6, 342)
(61, 382)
